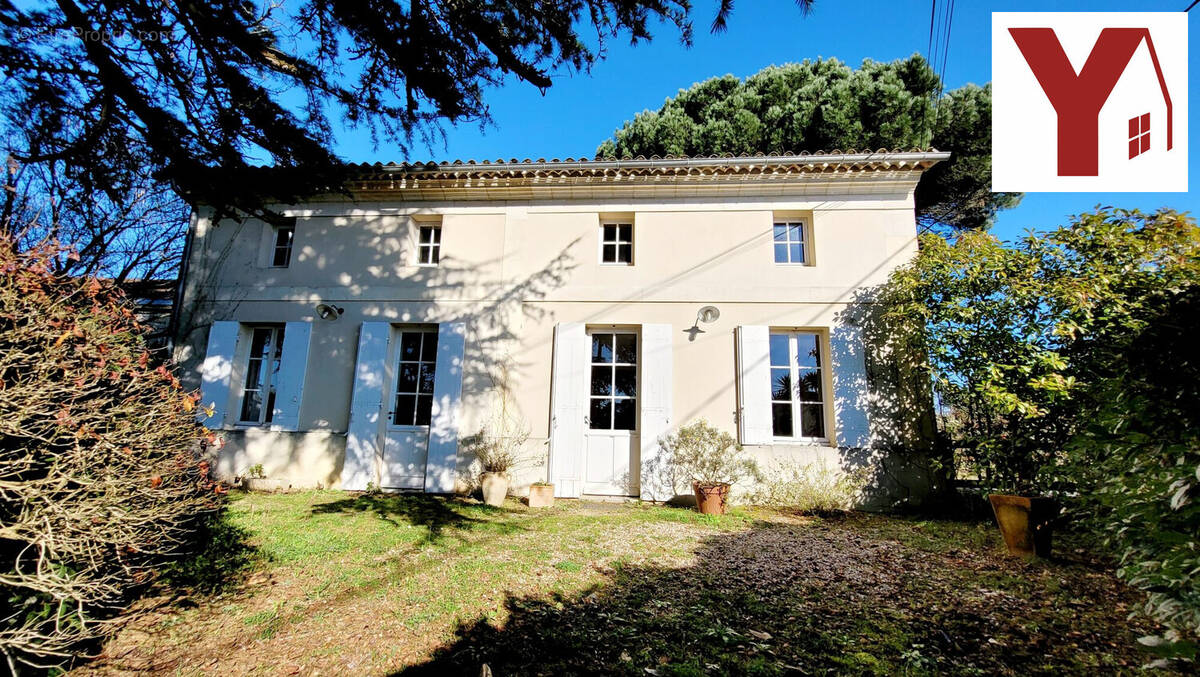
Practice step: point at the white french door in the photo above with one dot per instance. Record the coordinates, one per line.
(611, 457)
(409, 402)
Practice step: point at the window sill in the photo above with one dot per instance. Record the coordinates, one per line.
(616, 264)
(801, 441)
(408, 428)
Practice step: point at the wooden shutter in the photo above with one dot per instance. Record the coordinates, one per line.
(216, 372)
(850, 392)
(293, 364)
(655, 400)
(568, 402)
(442, 462)
(366, 405)
(754, 384)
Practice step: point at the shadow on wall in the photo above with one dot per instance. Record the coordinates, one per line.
(358, 261)
(383, 287)
(279, 453)
(902, 452)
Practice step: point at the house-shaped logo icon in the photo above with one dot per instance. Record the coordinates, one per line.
(1105, 93)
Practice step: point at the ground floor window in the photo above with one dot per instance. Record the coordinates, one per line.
(613, 403)
(262, 373)
(797, 390)
(414, 378)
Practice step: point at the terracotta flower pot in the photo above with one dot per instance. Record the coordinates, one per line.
(1025, 522)
(495, 487)
(541, 495)
(711, 498)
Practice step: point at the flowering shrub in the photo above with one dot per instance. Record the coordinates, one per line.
(99, 479)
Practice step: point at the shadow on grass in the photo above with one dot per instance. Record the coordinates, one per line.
(216, 559)
(788, 598)
(438, 514)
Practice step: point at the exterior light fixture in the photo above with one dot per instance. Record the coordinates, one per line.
(707, 315)
(329, 312)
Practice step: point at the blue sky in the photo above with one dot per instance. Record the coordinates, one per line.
(581, 110)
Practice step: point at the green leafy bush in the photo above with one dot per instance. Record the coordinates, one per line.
(1066, 363)
(100, 482)
(700, 453)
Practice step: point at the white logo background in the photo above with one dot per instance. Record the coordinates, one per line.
(1025, 125)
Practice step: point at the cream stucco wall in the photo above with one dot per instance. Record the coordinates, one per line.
(513, 270)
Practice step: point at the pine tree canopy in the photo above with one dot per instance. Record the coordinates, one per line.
(826, 105)
(200, 92)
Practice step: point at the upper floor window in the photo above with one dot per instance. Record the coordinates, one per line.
(429, 245)
(414, 378)
(262, 374)
(791, 243)
(281, 253)
(1139, 135)
(616, 243)
(797, 402)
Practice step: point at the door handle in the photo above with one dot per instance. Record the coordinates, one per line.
(587, 420)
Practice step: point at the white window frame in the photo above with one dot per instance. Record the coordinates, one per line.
(397, 362)
(616, 243)
(433, 246)
(276, 231)
(637, 380)
(267, 409)
(805, 241)
(794, 374)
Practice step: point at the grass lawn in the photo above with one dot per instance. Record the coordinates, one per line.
(342, 584)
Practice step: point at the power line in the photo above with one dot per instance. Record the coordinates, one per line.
(932, 12)
(941, 20)
(946, 47)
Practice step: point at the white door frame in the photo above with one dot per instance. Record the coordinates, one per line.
(617, 438)
(404, 434)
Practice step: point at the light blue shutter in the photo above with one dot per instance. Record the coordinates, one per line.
(851, 395)
(216, 372)
(754, 384)
(293, 364)
(655, 401)
(366, 403)
(442, 464)
(568, 401)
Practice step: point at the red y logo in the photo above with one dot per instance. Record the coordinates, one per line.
(1077, 99)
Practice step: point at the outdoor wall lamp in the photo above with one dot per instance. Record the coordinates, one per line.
(329, 312)
(707, 315)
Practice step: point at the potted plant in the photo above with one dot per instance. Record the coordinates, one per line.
(541, 495)
(497, 446)
(496, 456)
(1015, 475)
(711, 460)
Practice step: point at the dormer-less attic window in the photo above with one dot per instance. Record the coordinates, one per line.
(1139, 135)
(281, 251)
(429, 245)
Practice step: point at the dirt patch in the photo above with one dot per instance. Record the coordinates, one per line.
(635, 590)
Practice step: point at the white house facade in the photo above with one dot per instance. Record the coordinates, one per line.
(599, 304)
